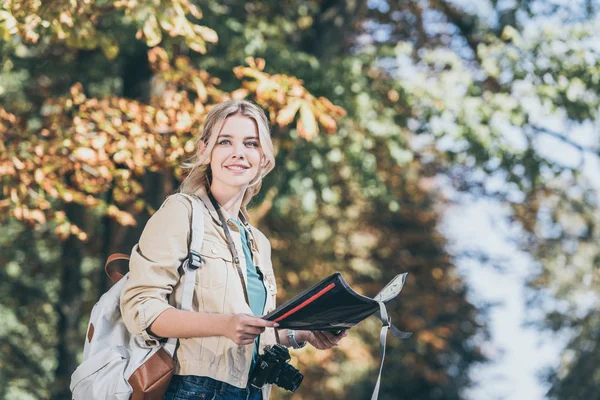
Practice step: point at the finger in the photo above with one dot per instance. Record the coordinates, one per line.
(243, 339)
(324, 339)
(245, 320)
(247, 337)
(251, 330)
(332, 337)
(254, 321)
(317, 342)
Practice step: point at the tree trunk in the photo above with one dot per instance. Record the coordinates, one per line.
(69, 308)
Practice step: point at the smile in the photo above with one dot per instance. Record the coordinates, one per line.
(236, 167)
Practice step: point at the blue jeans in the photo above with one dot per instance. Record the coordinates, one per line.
(190, 387)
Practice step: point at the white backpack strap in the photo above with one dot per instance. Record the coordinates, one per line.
(190, 265)
(193, 261)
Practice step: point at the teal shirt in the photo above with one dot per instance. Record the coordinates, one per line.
(257, 294)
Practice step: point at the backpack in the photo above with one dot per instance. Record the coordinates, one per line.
(119, 365)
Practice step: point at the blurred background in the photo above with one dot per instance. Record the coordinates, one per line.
(456, 140)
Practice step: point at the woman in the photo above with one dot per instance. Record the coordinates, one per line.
(221, 338)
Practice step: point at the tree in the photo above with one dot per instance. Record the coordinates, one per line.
(71, 161)
(431, 91)
(475, 99)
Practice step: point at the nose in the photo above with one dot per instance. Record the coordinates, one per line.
(238, 151)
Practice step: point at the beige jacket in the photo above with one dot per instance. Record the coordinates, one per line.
(154, 283)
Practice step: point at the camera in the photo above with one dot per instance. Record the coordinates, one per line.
(272, 367)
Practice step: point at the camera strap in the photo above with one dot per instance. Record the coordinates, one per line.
(390, 291)
(387, 324)
(231, 245)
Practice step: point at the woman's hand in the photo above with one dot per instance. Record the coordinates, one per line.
(244, 328)
(324, 340)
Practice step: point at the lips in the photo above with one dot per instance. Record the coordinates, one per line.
(237, 167)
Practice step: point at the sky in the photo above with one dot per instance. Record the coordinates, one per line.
(517, 354)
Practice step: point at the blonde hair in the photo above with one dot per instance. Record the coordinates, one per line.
(199, 174)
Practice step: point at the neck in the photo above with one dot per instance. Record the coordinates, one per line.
(230, 199)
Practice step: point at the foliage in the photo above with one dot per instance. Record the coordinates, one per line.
(86, 147)
(63, 154)
(101, 102)
(83, 25)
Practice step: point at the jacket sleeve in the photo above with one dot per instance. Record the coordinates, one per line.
(153, 267)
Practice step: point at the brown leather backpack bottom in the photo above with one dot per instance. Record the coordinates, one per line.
(151, 380)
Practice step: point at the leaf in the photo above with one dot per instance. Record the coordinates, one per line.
(200, 89)
(184, 122)
(209, 35)
(38, 216)
(152, 31)
(309, 122)
(328, 123)
(301, 130)
(63, 231)
(85, 154)
(18, 163)
(265, 87)
(250, 62)
(195, 11)
(332, 108)
(197, 44)
(66, 18)
(165, 22)
(8, 25)
(239, 94)
(287, 114)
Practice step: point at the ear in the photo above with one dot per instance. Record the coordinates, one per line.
(201, 150)
(263, 162)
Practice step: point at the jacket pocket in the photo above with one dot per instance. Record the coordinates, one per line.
(216, 265)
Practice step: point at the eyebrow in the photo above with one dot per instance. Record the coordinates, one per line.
(229, 136)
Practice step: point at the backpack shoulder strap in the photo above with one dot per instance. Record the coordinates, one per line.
(197, 232)
(194, 259)
(191, 264)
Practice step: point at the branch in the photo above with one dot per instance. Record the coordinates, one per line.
(565, 139)
(467, 25)
(417, 11)
(582, 149)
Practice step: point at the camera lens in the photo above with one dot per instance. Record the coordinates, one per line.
(289, 378)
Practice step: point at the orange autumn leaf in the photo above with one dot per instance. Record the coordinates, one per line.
(309, 122)
(287, 114)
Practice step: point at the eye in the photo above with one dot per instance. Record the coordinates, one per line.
(224, 142)
(252, 143)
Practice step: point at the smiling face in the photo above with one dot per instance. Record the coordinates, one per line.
(236, 157)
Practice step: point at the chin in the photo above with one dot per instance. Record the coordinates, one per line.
(239, 180)
(239, 185)
(235, 183)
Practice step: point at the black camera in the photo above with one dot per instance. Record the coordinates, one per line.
(272, 367)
